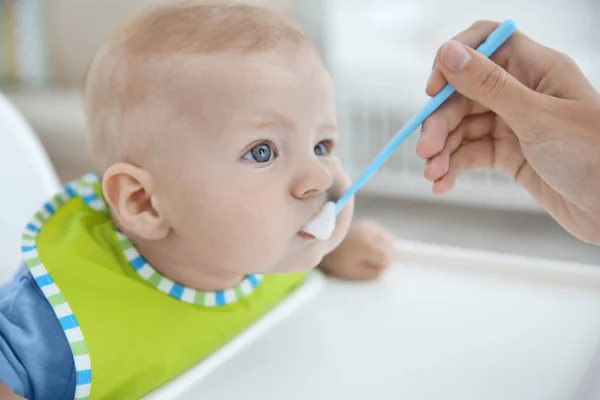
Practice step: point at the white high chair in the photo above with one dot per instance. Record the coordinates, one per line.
(27, 178)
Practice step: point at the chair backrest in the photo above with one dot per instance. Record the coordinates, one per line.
(27, 180)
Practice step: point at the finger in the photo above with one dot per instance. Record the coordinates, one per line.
(362, 272)
(472, 37)
(483, 81)
(385, 255)
(376, 255)
(470, 156)
(445, 119)
(373, 249)
(472, 128)
(530, 59)
(378, 267)
(438, 126)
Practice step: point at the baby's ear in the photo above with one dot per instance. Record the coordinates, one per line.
(130, 193)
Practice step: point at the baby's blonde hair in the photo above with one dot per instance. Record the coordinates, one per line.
(118, 77)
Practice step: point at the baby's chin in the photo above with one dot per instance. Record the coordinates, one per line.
(304, 262)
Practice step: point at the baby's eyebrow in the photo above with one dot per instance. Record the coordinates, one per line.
(329, 127)
(279, 121)
(272, 120)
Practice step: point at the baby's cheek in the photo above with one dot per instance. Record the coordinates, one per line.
(341, 181)
(263, 242)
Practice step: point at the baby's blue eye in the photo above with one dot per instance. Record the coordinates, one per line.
(321, 149)
(260, 153)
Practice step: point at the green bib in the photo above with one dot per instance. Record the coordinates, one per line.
(130, 329)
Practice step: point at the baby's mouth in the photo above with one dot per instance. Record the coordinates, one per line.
(323, 224)
(305, 235)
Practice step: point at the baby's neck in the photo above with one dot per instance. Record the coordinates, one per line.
(186, 272)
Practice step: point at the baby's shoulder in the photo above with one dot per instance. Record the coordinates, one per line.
(35, 358)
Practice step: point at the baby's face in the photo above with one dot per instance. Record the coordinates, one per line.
(249, 159)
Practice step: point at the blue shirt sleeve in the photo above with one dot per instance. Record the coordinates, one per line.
(35, 358)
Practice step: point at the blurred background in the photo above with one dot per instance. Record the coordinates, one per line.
(380, 54)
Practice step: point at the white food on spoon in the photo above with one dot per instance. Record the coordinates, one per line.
(323, 224)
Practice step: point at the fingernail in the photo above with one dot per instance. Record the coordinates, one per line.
(454, 56)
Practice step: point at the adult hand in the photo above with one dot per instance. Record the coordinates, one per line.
(530, 113)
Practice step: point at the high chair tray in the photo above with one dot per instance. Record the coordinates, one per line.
(442, 324)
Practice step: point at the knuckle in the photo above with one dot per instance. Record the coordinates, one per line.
(493, 80)
(565, 59)
(484, 24)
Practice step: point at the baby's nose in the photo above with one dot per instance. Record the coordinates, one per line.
(313, 179)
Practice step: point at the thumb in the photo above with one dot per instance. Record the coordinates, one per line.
(480, 79)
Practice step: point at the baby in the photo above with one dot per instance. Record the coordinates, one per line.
(212, 128)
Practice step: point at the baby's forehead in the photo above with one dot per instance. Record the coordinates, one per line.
(283, 65)
(234, 80)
